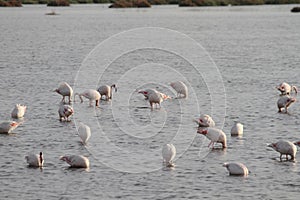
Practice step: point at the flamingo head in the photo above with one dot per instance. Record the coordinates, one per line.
(272, 145)
(225, 165)
(297, 143)
(143, 92)
(68, 111)
(165, 97)
(114, 86)
(14, 124)
(202, 131)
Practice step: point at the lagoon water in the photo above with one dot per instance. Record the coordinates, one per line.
(231, 59)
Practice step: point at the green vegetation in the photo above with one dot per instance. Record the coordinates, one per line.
(58, 3)
(130, 4)
(10, 3)
(222, 2)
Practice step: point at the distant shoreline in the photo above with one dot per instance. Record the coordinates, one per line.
(148, 3)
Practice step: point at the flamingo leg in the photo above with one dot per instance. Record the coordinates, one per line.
(210, 143)
(280, 157)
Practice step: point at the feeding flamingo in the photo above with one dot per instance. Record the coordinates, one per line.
(169, 153)
(8, 126)
(91, 95)
(285, 102)
(286, 89)
(65, 111)
(18, 111)
(35, 160)
(65, 90)
(180, 88)
(236, 168)
(284, 148)
(76, 161)
(147, 92)
(154, 97)
(106, 91)
(237, 129)
(84, 133)
(214, 135)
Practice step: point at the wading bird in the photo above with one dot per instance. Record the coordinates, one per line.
(168, 153)
(91, 95)
(76, 161)
(65, 90)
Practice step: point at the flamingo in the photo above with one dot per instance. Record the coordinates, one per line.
(65, 111)
(84, 133)
(169, 153)
(65, 90)
(205, 121)
(154, 97)
(92, 95)
(236, 168)
(180, 88)
(285, 102)
(106, 90)
(214, 135)
(8, 126)
(35, 160)
(286, 89)
(147, 92)
(237, 129)
(18, 111)
(76, 161)
(284, 148)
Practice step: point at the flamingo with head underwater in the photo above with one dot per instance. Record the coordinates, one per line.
(76, 161)
(91, 95)
(65, 90)
(180, 88)
(168, 153)
(18, 111)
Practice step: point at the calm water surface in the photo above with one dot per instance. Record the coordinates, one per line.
(255, 48)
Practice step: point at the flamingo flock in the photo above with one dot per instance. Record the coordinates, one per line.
(206, 125)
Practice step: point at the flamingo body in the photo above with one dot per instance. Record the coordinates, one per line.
(284, 148)
(153, 96)
(18, 111)
(65, 111)
(91, 95)
(214, 135)
(180, 88)
(237, 129)
(106, 91)
(168, 153)
(65, 90)
(285, 102)
(286, 89)
(35, 160)
(8, 126)
(84, 133)
(236, 168)
(76, 161)
(147, 92)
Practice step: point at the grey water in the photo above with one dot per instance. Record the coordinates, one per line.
(231, 59)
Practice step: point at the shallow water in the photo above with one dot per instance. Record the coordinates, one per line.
(254, 49)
